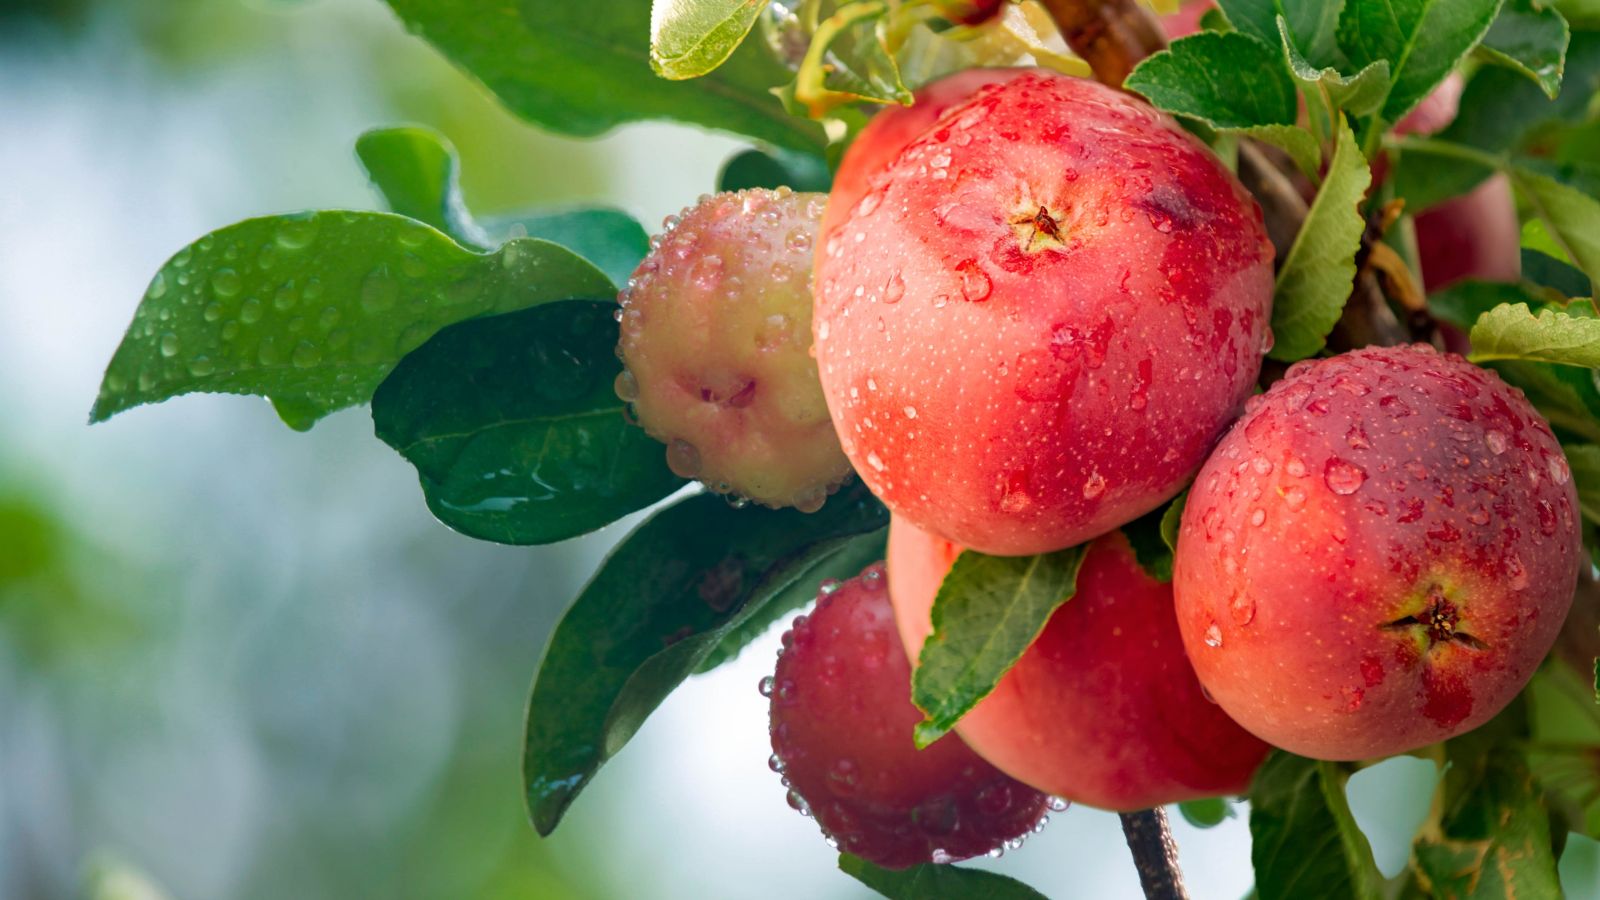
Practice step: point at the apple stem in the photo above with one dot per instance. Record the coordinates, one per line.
(1112, 36)
(1155, 854)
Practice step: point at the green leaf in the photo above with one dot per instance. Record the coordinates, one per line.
(1566, 736)
(1207, 813)
(1312, 23)
(1571, 216)
(1502, 110)
(662, 602)
(1531, 39)
(1183, 79)
(1463, 302)
(1547, 271)
(843, 563)
(1584, 460)
(609, 238)
(689, 38)
(1422, 40)
(417, 172)
(758, 169)
(988, 611)
(313, 310)
(583, 68)
(1292, 139)
(1512, 331)
(515, 430)
(935, 881)
(1149, 540)
(1317, 275)
(1360, 94)
(1172, 520)
(1494, 838)
(1305, 842)
(1565, 395)
(1427, 173)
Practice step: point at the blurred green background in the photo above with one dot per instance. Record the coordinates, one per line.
(238, 662)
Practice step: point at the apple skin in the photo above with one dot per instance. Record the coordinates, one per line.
(715, 344)
(1018, 391)
(842, 722)
(1378, 555)
(1103, 709)
(1475, 235)
(888, 133)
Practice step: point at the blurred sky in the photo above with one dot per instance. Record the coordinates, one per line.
(240, 662)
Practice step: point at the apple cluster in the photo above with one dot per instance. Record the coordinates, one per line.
(1033, 310)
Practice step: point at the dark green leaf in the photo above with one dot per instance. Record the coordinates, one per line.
(1150, 547)
(1422, 40)
(843, 563)
(661, 603)
(1305, 843)
(1462, 303)
(1501, 110)
(609, 238)
(1312, 23)
(1427, 174)
(417, 172)
(1224, 80)
(1207, 813)
(582, 68)
(1513, 331)
(1531, 39)
(758, 169)
(313, 310)
(988, 611)
(515, 430)
(689, 38)
(935, 881)
(1550, 272)
(1494, 837)
(1317, 275)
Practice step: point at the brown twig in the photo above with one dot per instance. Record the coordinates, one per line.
(1154, 854)
(1112, 36)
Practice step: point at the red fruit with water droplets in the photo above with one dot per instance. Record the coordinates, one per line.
(1378, 555)
(842, 721)
(1103, 709)
(1035, 324)
(890, 130)
(716, 341)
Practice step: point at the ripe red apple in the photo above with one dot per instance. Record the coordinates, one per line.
(1103, 709)
(842, 724)
(715, 344)
(1037, 321)
(1378, 555)
(1475, 235)
(890, 130)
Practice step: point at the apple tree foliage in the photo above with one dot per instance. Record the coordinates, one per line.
(484, 349)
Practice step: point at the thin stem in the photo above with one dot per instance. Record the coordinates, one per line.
(1112, 36)
(1155, 854)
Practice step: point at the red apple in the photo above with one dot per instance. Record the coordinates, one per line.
(715, 341)
(1378, 555)
(1041, 316)
(842, 723)
(1103, 709)
(1475, 235)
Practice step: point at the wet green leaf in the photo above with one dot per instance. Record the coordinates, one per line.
(659, 605)
(988, 611)
(1571, 216)
(1422, 40)
(1529, 38)
(610, 238)
(689, 38)
(1181, 80)
(1360, 94)
(313, 310)
(515, 430)
(1311, 23)
(1513, 331)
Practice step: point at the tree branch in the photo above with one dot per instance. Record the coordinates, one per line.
(1154, 853)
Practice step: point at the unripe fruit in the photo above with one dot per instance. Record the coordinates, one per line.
(1103, 709)
(842, 721)
(1378, 555)
(716, 337)
(890, 130)
(1033, 327)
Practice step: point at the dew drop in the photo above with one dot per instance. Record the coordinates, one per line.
(158, 287)
(895, 289)
(201, 366)
(627, 387)
(1243, 609)
(1496, 441)
(1294, 498)
(250, 311)
(975, 285)
(683, 458)
(1213, 635)
(297, 234)
(379, 290)
(169, 345)
(1094, 486)
(226, 283)
(212, 312)
(286, 297)
(1343, 477)
(305, 355)
(766, 686)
